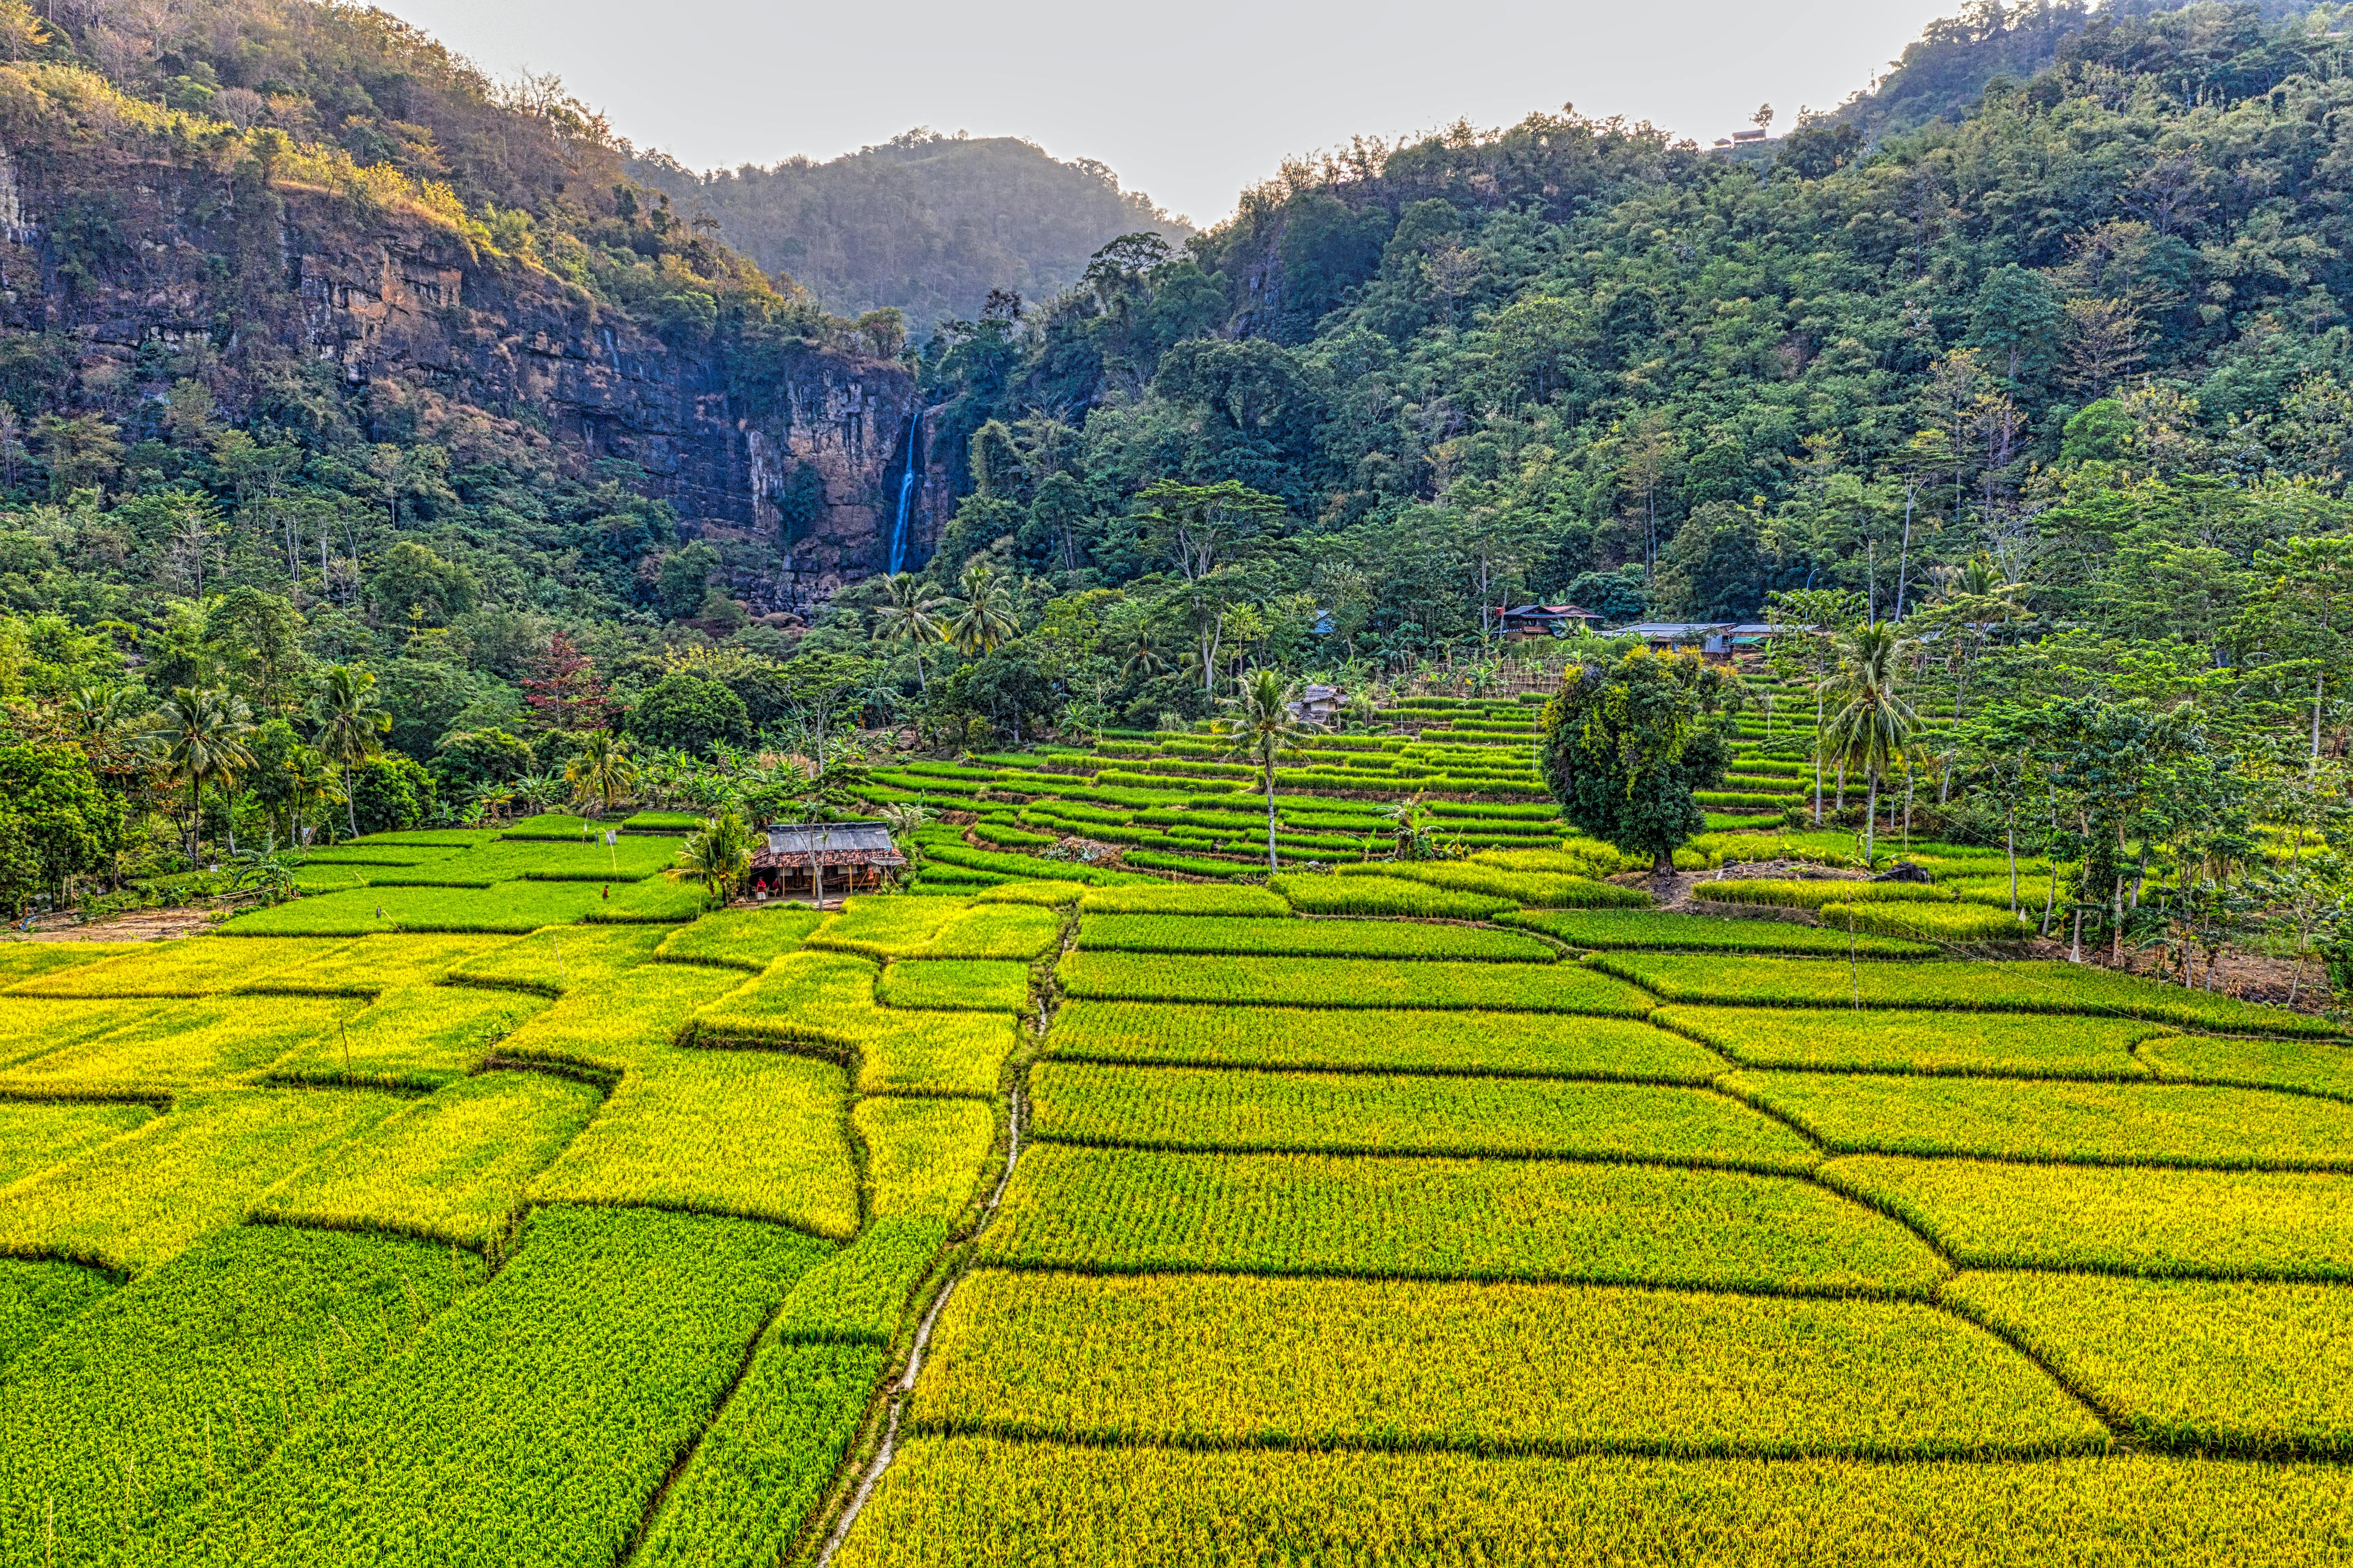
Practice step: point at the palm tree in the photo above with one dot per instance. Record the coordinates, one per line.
(1266, 726)
(984, 616)
(718, 855)
(1873, 724)
(903, 818)
(907, 617)
(601, 771)
(349, 726)
(198, 737)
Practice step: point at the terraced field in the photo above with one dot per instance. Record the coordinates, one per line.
(1342, 1225)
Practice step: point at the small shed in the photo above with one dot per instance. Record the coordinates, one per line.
(1317, 705)
(854, 857)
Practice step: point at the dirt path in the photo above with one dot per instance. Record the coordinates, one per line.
(137, 925)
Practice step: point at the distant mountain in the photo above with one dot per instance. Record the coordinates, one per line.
(928, 223)
(1942, 73)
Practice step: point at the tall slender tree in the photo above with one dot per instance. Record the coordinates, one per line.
(348, 727)
(199, 736)
(1874, 726)
(1266, 725)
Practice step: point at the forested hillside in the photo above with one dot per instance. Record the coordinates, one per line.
(924, 223)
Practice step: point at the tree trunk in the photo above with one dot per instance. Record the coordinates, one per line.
(2312, 767)
(1842, 787)
(2075, 950)
(1271, 864)
(2010, 843)
(1871, 819)
(351, 810)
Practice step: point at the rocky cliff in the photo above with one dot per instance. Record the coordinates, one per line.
(128, 267)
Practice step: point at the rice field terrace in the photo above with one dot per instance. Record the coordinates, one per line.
(1086, 1204)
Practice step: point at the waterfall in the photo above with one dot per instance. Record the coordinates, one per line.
(906, 496)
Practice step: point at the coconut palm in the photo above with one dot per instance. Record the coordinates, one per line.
(1873, 724)
(986, 615)
(718, 855)
(602, 771)
(1265, 725)
(907, 619)
(198, 737)
(348, 727)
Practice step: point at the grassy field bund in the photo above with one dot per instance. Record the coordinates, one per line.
(1451, 1212)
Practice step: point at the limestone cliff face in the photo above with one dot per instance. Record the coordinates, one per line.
(808, 464)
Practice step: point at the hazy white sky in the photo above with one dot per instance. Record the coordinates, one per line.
(1188, 102)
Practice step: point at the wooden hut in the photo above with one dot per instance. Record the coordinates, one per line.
(854, 856)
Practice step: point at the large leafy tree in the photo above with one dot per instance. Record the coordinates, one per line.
(57, 822)
(1624, 747)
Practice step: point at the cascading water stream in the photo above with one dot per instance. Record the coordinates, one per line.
(906, 498)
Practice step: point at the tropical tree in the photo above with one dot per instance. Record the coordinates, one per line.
(986, 615)
(602, 771)
(199, 736)
(1874, 726)
(1814, 617)
(1266, 725)
(908, 619)
(348, 726)
(717, 856)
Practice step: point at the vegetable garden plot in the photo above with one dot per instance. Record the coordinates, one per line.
(2011, 1044)
(1183, 899)
(1350, 982)
(1207, 1360)
(618, 1025)
(515, 908)
(1297, 938)
(985, 1503)
(1139, 1212)
(36, 1299)
(891, 926)
(2197, 1365)
(561, 958)
(2083, 1123)
(409, 1036)
(376, 963)
(740, 939)
(187, 1045)
(936, 1053)
(140, 1198)
(768, 1459)
(21, 961)
(1960, 924)
(35, 1135)
(2308, 1067)
(985, 986)
(859, 1295)
(1533, 889)
(2282, 1224)
(1614, 930)
(189, 967)
(997, 931)
(450, 1167)
(925, 1157)
(750, 1135)
(1340, 1113)
(1045, 895)
(1332, 895)
(1983, 988)
(33, 1026)
(538, 1417)
(190, 1375)
(1543, 1044)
